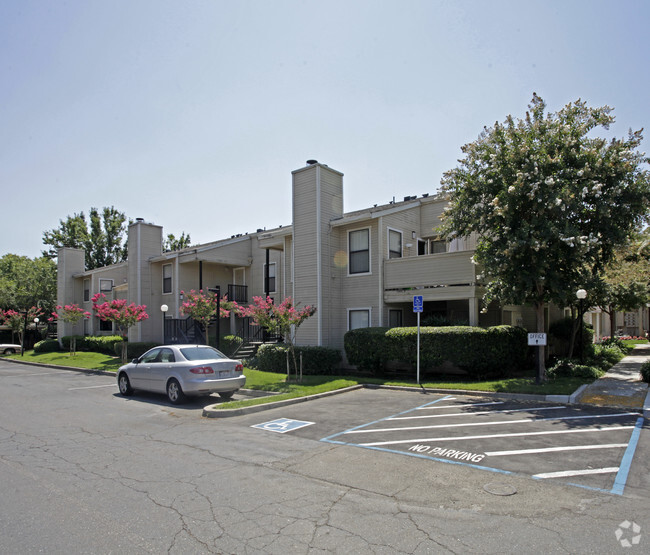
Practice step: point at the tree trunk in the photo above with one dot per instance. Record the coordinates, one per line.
(574, 332)
(612, 321)
(541, 362)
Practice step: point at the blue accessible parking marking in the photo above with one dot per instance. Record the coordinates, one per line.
(282, 425)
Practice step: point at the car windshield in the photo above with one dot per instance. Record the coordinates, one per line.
(201, 353)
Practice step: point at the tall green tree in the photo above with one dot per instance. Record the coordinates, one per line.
(102, 237)
(550, 203)
(174, 244)
(26, 282)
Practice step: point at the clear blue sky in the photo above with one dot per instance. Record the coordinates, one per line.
(193, 114)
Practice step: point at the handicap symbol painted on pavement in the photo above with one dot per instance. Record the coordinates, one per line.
(282, 425)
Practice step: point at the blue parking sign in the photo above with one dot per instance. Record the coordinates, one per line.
(418, 303)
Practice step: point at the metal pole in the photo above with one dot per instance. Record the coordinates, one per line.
(418, 348)
(580, 332)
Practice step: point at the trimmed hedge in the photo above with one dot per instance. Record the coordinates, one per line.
(80, 344)
(480, 352)
(229, 344)
(101, 343)
(47, 346)
(134, 349)
(315, 360)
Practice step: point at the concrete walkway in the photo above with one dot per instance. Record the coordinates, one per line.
(622, 385)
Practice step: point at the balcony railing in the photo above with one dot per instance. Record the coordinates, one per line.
(433, 270)
(238, 293)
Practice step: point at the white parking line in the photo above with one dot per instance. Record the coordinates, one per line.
(567, 473)
(25, 375)
(92, 387)
(471, 424)
(435, 407)
(554, 449)
(474, 413)
(490, 436)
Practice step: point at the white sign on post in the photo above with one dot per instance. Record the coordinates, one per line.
(537, 339)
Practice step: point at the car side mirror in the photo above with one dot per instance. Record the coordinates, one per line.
(135, 361)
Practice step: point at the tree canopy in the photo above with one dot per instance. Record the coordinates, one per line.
(26, 282)
(102, 237)
(549, 201)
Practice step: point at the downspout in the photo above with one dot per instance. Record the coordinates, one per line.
(380, 264)
(319, 277)
(139, 280)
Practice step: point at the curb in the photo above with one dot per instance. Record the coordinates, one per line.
(59, 367)
(212, 412)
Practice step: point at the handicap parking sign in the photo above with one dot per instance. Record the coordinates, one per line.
(418, 303)
(282, 425)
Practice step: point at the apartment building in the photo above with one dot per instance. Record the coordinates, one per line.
(358, 268)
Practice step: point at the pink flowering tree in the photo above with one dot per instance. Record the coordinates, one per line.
(123, 315)
(17, 321)
(71, 314)
(283, 319)
(202, 307)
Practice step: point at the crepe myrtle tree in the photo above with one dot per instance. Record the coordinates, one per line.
(18, 320)
(283, 319)
(549, 201)
(202, 307)
(71, 314)
(123, 315)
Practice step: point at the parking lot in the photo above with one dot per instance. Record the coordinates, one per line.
(590, 447)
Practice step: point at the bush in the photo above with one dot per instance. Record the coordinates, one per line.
(134, 349)
(80, 342)
(364, 348)
(229, 344)
(609, 353)
(645, 372)
(102, 343)
(495, 351)
(316, 360)
(46, 346)
(568, 368)
(560, 333)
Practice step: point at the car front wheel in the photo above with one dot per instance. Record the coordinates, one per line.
(125, 385)
(175, 392)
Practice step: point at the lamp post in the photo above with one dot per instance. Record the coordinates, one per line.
(582, 295)
(36, 321)
(164, 308)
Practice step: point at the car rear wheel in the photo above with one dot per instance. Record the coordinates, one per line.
(125, 385)
(225, 395)
(9, 351)
(175, 392)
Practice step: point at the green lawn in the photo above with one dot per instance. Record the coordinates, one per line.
(277, 382)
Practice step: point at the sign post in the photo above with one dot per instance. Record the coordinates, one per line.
(418, 307)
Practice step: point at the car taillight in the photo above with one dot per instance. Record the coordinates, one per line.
(202, 370)
(239, 368)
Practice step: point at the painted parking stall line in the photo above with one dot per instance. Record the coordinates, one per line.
(511, 438)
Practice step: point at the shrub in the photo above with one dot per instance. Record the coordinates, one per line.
(609, 353)
(80, 343)
(560, 333)
(316, 360)
(102, 343)
(568, 368)
(134, 349)
(229, 344)
(46, 346)
(645, 372)
(365, 348)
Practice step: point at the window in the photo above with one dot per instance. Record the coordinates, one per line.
(86, 290)
(105, 284)
(394, 244)
(270, 287)
(167, 278)
(438, 246)
(422, 247)
(359, 250)
(105, 325)
(359, 318)
(395, 318)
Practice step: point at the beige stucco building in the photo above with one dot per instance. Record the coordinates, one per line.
(359, 268)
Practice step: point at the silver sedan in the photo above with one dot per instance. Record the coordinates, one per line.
(182, 370)
(9, 348)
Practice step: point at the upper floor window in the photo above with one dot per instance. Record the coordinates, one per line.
(167, 278)
(395, 318)
(438, 246)
(270, 286)
(105, 285)
(359, 251)
(422, 247)
(394, 244)
(86, 290)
